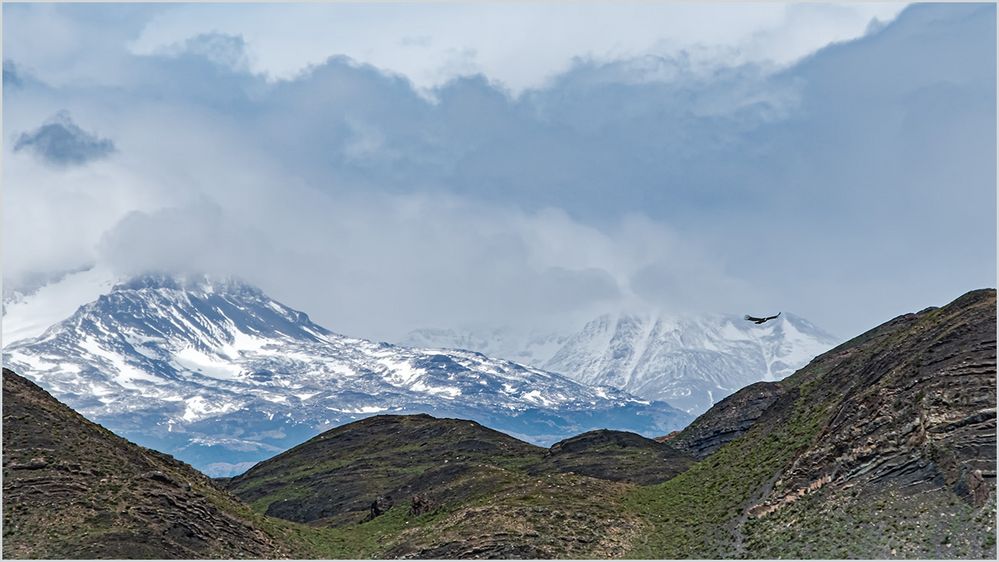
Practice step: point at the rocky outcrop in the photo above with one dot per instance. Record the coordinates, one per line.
(727, 420)
(919, 413)
(72, 489)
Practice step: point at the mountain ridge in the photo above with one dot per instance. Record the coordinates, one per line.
(883, 447)
(222, 376)
(688, 361)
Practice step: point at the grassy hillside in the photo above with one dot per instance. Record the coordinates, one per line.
(420, 486)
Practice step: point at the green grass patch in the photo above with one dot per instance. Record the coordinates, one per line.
(694, 514)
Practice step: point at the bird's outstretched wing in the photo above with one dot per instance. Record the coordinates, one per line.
(771, 317)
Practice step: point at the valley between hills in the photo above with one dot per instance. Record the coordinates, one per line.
(883, 447)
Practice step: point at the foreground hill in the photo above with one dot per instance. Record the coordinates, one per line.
(883, 447)
(222, 376)
(447, 488)
(72, 489)
(338, 475)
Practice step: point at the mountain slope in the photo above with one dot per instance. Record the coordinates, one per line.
(72, 489)
(883, 447)
(691, 362)
(30, 307)
(222, 376)
(534, 348)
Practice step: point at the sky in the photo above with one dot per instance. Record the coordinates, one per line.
(389, 167)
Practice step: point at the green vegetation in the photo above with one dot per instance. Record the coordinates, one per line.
(697, 514)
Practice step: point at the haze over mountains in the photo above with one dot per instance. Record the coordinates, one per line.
(689, 361)
(222, 376)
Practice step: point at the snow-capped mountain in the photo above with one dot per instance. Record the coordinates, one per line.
(221, 376)
(691, 362)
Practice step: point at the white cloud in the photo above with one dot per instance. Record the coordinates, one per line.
(653, 180)
(518, 44)
(379, 266)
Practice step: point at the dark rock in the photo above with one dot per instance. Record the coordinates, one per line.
(971, 486)
(727, 420)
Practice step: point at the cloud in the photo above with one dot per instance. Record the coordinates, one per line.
(418, 259)
(522, 45)
(61, 143)
(830, 187)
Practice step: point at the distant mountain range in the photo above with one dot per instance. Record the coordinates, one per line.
(222, 376)
(691, 362)
(882, 448)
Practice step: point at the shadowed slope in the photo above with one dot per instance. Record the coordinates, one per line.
(72, 489)
(615, 455)
(336, 476)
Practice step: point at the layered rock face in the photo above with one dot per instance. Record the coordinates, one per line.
(919, 414)
(72, 489)
(728, 420)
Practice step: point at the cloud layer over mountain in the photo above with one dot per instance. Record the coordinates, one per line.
(849, 185)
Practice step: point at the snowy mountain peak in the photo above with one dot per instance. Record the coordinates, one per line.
(689, 361)
(211, 369)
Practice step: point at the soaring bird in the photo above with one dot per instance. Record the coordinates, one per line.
(760, 320)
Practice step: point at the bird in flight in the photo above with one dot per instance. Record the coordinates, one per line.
(760, 320)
